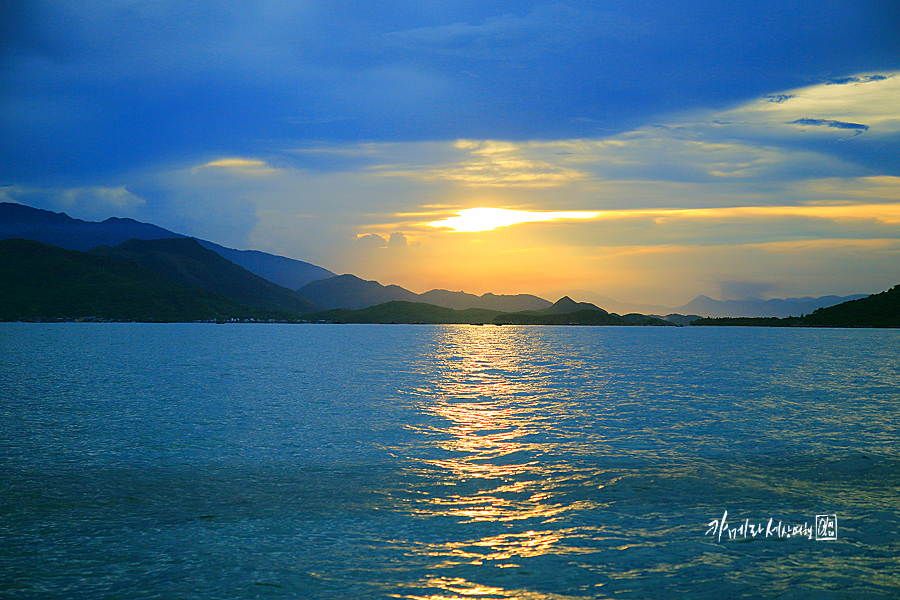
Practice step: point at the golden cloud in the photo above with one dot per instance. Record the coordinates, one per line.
(246, 166)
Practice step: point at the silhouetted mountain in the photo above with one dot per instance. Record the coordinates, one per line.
(400, 311)
(349, 291)
(877, 310)
(704, 305)
(325, 289)
(566, 311)
(611, 305)
(184, 260)
(59, 229)
(502, 302)
(680, 319)
(776, 307)
(38, 281)
(566, 305)
(640, 319)
(286, 272)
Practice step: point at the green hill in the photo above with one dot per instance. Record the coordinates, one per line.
(38, 281)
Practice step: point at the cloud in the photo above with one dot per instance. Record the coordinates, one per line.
(830, 123)
(707, 227)
(884, 213)
(861, 114)
(314, 129)
(243, 166)
(862, 99)
(491, 163)
(486, 219)
(101, 200)
(510, 36)
(855, 79)
(94, 89)
(397, 240)
(738, 173)
(881, 188)
(679, 154)
(734, 176)
(94, 203)
(371, 240)
(235, 163)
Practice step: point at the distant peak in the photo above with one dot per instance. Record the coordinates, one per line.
(566, 305)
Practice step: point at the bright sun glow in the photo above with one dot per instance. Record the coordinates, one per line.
(485, 219)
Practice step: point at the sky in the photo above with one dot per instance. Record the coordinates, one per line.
(644, 151)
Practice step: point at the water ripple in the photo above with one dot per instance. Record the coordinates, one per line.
(328, 462)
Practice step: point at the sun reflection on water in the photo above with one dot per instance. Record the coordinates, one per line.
(487, 463)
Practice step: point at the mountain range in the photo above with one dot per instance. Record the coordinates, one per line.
(349, 291)
(276, 285)
(564, 312)
(709, 307)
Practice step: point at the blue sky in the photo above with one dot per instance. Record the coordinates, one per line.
(724, 148)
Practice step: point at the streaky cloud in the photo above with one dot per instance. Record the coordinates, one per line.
(831, 123)
(486, 219)
(861, 79)
(246, 166)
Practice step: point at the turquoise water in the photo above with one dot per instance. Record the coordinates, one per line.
(446, 462)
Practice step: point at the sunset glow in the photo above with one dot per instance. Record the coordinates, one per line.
(506, 148)
(486, 219)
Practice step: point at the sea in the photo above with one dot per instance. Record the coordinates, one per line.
(428, 462)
